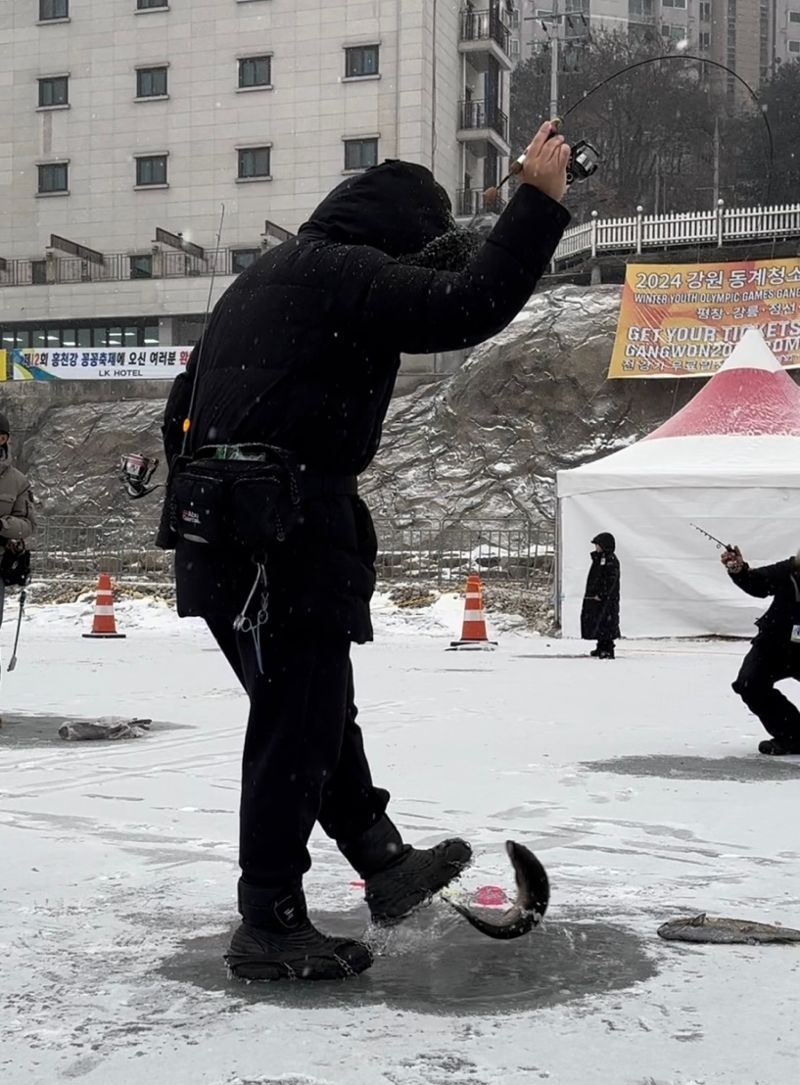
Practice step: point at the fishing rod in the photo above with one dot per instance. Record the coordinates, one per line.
(585, 159)
(136, 469)
(23, 596)
(720, 545)
(187, 422)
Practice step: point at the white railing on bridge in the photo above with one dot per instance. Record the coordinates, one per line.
(638, 233)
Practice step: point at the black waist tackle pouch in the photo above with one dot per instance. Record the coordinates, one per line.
(247, 502)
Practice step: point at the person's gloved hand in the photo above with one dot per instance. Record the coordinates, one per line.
(732, 560)
(546, 161)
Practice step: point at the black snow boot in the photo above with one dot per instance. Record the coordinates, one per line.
(276, 940)
(398, 877)
(777, 748)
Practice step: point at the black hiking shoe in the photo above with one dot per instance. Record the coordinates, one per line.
(413, 878)
(775, 748)
(276, 940)
(607, 653)
(302, 954)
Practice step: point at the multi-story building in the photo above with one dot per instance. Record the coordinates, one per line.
(785, 26)
(746, 35)
(128, 123)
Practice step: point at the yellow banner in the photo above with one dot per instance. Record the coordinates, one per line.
(683, 320)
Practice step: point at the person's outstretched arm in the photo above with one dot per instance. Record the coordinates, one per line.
(420, 311)
(761, 582)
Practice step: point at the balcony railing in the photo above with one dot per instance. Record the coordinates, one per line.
(485, 26)
(481, 115)
(470, 201)
(116, 267)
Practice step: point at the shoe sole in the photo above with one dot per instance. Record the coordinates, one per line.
(304, 969)
(426, 898)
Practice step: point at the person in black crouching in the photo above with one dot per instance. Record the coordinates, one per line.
(285, 397)
(600, 611)
(775, 652)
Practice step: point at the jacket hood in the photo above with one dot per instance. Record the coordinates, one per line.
(606, 541)
(396, 207)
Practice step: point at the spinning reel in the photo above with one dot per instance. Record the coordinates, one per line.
(136, 470)
(584, 160)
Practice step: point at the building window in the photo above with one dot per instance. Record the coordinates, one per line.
(255, 71)
(241, 259)
(141, 267)
(360, 154)
(362, 60)
(148, 5)
(705, 11)
(38, 272)
(794, 16)
(53, 91)
(53, 9)
(673, 33)
(151, 170)
(151, 82)
(674, 4)
(54, 178)
(254, 162)
(794, 46)
(705, 41)
(642, 9)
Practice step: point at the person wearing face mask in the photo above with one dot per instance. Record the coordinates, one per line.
(600, 610)
(775, 651)
(297, 366)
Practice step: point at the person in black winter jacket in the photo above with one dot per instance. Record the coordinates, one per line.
(775, 652)
(302, 352)
(600, 610)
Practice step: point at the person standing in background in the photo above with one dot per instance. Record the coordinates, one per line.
(600, 611)
(17, 519)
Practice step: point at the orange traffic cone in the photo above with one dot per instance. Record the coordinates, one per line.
(473, 629)
(104, 624)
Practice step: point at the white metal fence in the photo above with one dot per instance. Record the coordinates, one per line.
(639, 232)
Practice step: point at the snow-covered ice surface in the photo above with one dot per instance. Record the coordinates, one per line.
(635, 781)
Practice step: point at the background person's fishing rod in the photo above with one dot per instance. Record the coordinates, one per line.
(720, 545)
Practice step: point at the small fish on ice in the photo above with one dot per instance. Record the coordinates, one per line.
(111, 727)
(705, 928)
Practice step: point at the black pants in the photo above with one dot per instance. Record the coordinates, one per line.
(763, 666)
(304, 757)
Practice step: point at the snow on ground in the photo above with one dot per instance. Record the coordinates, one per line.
(119, 867)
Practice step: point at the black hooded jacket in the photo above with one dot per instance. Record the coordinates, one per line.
(782, 582)
(303, 350)
(600, 611)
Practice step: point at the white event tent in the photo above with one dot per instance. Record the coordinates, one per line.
(729, 461)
